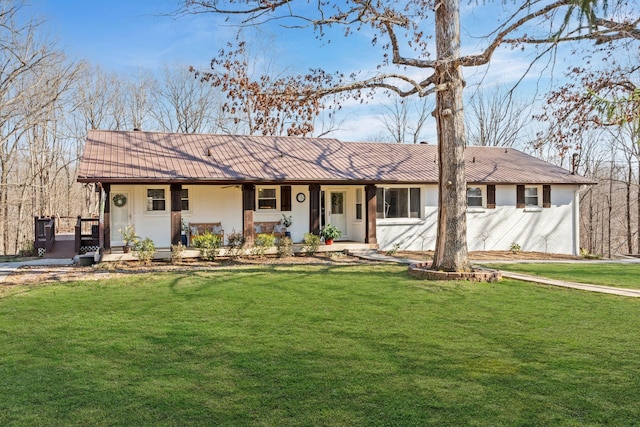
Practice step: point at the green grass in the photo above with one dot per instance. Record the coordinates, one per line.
(618, 275)
(337, 346)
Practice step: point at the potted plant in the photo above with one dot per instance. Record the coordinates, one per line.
(286, 222)
(330, 232)
(129, 237)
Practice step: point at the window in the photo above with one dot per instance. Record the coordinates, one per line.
(267, 198)
(398, 203)
(184, 199)
(358, 203)
(285, 198)
(474, 197)
(531, 196)
(155, 199)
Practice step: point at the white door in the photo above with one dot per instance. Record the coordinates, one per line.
(120, 215)
(338, 211)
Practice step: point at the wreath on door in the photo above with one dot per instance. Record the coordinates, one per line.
(119, 200)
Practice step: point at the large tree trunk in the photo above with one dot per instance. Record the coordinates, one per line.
(451, 244)
(628, 206)
(4, 208)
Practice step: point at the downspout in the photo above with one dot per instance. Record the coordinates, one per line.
(576, 220)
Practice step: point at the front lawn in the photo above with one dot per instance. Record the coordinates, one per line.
(606, 274)
(315, 345)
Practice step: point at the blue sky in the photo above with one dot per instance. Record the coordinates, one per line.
(121, 34)
(127, 35)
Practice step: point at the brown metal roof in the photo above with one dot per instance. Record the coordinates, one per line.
(119, 156)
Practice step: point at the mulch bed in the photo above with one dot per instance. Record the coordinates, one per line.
(42, 274)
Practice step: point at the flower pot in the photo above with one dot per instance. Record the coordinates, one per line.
(126, 249)
(328, 241)
(287, 234)
(184, 240)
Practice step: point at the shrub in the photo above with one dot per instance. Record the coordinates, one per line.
(209, 245)
(515, 248)
(27, 249)
(129, 236)
(311, 243)
(144, 249)
(177, 253)
(285, 247)
(236, 243)
(394, 250)
(584, 253)
(262, 243)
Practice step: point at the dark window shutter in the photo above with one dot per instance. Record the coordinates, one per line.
(546, 196)
(519, 196)
(491, 196)
(285, 198)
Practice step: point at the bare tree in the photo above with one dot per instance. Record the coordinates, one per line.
(404, 119)
(137, 92)
(26, 96)
(97, 103)
(97, 99)
(602, 100)
(405, 38)
(496, 118)
(181, 103)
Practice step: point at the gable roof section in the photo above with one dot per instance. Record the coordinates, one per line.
(154, 157)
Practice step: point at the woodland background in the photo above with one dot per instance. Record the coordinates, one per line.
(48, 102)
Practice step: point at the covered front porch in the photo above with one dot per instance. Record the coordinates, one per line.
(171, 213)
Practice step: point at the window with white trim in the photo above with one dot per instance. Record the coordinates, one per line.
(184, 199)
(267, 198)
(398, 203)
(474, 197)
(531, 196)
(358, 203)
(156, 200)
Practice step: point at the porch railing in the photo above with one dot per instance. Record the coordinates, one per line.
(87, 234)
(45, 234)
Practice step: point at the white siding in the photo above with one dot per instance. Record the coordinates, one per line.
(534, 229)
(416, 234)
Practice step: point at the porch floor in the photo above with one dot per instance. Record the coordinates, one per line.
(165, 253)
(63, 248)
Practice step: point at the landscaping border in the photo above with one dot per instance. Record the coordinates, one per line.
(423, 271)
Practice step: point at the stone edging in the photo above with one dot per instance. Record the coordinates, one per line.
(422, 271)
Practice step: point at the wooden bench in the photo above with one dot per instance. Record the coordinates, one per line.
(269, 227)
(200, 228)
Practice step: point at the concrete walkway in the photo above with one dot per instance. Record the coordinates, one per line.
(6, 268)
(634, 293)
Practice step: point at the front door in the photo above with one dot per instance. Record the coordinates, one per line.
(337, 211)
(120, 216)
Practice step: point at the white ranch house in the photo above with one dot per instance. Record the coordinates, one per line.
(376, 193)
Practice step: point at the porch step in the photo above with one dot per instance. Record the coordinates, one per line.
(374, 255)
(361, 252)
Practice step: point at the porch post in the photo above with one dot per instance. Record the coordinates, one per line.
(314, 209)
(176, 213)
(248, 206)
(370, 231)
(105, 233)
